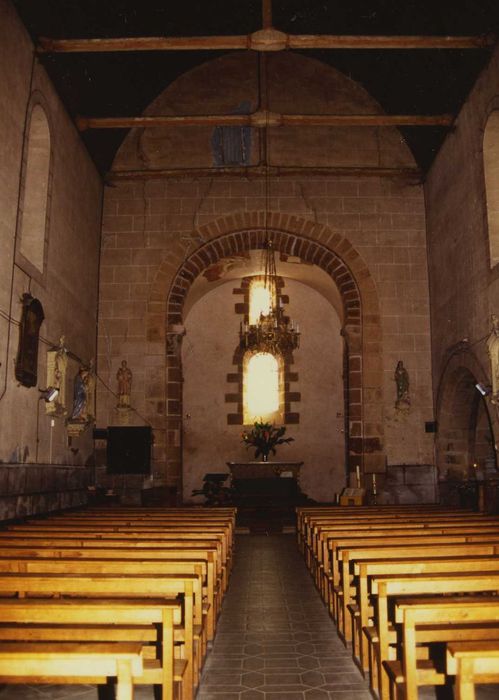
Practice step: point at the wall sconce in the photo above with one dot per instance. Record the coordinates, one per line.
(484, 390)
(49, 394)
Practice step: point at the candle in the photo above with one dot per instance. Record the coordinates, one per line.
(357, 472)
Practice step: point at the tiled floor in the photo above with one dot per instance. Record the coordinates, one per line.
(275, 640)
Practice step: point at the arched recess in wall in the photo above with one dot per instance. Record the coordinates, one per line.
(491, 172)
(235, 235)
(35, 189)
(466, 423)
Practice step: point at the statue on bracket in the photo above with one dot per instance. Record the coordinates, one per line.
(401, 376)
(82, 413)
(124, 377)
(493, 350)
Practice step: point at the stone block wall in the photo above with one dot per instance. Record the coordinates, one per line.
(464, 283)
(29, 489)
(380, 220)
(67, 286)
(367, 233)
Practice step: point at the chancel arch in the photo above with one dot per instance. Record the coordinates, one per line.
(234, 237)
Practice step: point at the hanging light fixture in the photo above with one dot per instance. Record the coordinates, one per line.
(273, 332)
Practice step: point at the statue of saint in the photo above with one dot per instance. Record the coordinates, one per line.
(124, 377)
(493, 350)
(80, 396)
(402, 382)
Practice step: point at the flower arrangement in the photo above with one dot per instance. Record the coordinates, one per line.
(264, 437)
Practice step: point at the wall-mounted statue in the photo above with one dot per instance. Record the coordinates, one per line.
(402, 381)
(493, 350)
(83, 396)
(29, 331)
(124, 377)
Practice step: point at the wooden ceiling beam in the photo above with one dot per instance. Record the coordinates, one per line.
(267, 39)
(414, 175)
(263, 119)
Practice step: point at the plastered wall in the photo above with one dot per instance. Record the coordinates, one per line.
(211, 340)
(68, 285)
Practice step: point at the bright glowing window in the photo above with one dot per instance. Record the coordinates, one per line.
(260, 301)
(261, 387)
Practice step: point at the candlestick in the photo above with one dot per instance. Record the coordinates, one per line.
(374, 484)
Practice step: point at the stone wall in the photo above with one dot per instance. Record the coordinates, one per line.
(372, 228)
(34, 489)
(67, 286)
(464, 287)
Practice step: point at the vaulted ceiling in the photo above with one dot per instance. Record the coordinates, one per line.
(403, 81)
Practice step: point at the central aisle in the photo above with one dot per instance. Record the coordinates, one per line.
(275, 639)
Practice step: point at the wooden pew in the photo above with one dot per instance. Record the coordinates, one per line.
(323, 564)
(332, 576)
(126, 567)
(443, 619)
(471, 663)
(416, 585)
(350, 556)
(92, 540)
(307, 517)
(101, 619)
(192, 555)
(360, 617)
(28, 661)
(154, 548)
(135, 588)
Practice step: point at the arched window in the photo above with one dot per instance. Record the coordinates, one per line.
(36, 189)
(261, 387)
(491, 170)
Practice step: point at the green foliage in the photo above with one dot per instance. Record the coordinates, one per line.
(264, 437)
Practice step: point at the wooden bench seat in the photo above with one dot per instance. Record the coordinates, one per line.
(449, 614)
(331, 574)
(367, 569)
(204, 557)
(148, 622)
(34, 662)
(127, 567)
(138, 587)
(472, 662)
(121, 540)
(443, 584)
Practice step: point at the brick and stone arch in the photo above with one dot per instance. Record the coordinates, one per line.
(459, 405)
(314, 243)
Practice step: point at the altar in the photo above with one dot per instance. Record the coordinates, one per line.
(265, 470)
(266, 484)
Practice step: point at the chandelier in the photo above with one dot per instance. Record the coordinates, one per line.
(273, 332)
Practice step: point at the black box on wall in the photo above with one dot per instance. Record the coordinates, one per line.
(129, 450)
